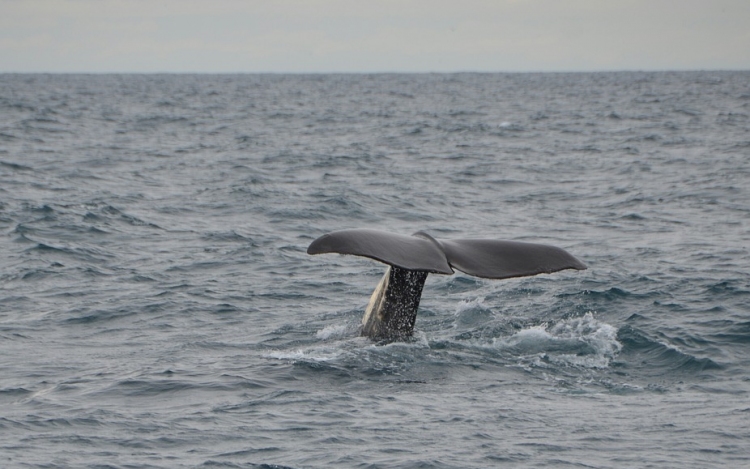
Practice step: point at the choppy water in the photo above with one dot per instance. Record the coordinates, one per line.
(157, 307)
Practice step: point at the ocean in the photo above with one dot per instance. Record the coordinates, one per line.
(158, 308)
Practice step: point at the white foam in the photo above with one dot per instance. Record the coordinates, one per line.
(334, 331)
(464, 305)
(601, 336)
(563, 342)
(310, 355)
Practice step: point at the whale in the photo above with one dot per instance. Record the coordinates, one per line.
(392, 310)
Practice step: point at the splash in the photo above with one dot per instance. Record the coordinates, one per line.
(334, 331)
(310, 355)
(465, 305)
(582, 342)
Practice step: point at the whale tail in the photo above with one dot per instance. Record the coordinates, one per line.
(392, 310)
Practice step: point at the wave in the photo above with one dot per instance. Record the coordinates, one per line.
(658, 357)
(582, 342)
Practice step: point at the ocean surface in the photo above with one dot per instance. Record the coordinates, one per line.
(158, 308)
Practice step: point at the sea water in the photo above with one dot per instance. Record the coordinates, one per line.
(158, 308)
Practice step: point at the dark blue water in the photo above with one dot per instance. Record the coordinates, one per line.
(158, 309)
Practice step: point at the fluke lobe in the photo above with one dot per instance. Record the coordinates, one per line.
(393, 306)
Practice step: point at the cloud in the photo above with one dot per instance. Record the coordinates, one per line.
(378, 35)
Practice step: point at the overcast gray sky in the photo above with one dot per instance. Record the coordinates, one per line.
(372, 35)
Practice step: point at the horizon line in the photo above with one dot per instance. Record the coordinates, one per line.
(453, 72)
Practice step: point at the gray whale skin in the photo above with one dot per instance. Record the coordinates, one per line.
(393, 306)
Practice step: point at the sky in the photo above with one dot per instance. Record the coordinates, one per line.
(322, 36)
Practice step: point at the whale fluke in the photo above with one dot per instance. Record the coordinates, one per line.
(489, 258)
(392, 310)
(408, 252)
